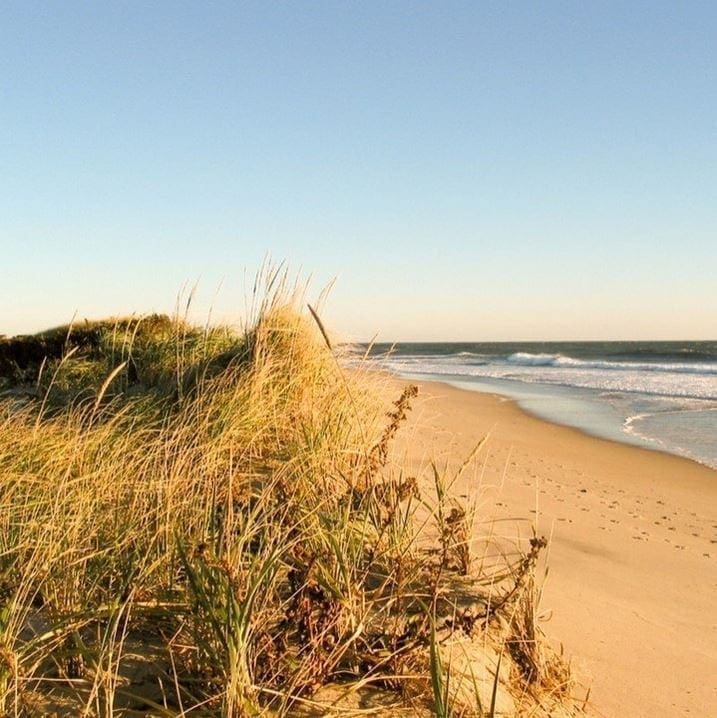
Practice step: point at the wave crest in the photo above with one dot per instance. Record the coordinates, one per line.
(558, 360)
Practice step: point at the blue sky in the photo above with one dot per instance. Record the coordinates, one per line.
(474, 171)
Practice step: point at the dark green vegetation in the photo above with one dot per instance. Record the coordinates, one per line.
(154, 354)
(200, 522)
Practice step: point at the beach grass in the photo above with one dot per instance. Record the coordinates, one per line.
(196, 520)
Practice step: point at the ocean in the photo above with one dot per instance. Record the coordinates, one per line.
(660, 395)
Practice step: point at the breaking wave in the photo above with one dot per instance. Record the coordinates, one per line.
(558, 360)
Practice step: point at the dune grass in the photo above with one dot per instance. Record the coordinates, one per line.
(198, 521)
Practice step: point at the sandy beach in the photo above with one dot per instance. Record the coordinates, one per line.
(631, 589)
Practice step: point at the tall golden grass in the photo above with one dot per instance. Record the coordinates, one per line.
(197, 521)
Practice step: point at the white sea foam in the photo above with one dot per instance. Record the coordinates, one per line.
(527, 359)
(636, 380)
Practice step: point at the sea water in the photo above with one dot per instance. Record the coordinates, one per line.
(661, 395)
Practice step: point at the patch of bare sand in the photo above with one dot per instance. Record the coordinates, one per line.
(633, 557)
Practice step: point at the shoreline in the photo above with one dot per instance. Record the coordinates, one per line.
(624, 437)
(632, 561)
(642, 444)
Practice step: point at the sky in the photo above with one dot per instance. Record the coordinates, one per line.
(463, 170)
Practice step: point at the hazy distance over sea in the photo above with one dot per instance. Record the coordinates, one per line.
(662, 395)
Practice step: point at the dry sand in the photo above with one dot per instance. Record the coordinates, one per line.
(631, 590)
